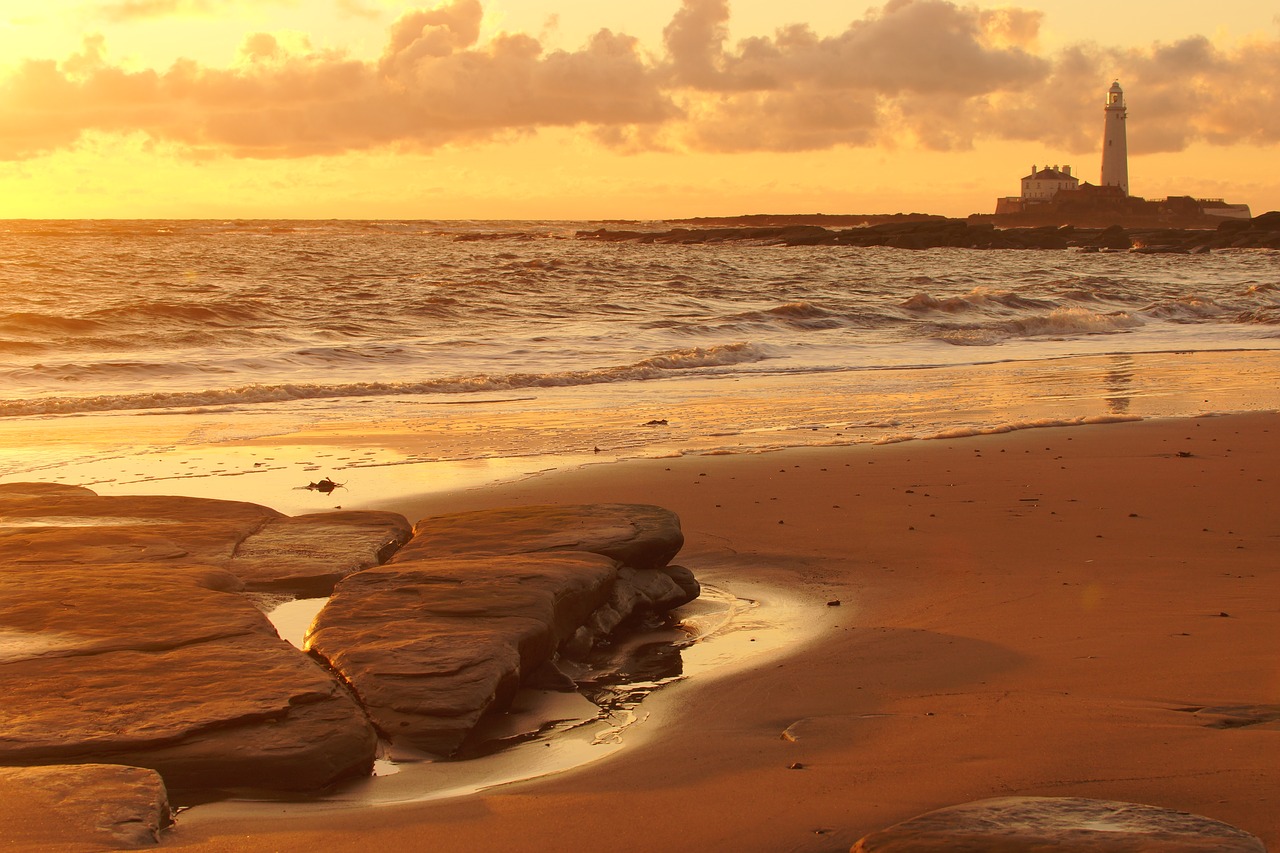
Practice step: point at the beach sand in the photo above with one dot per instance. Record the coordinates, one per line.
(1034, 613)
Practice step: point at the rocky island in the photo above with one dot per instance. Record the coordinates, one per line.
(1260, 232)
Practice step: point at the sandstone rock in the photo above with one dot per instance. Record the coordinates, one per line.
(1044, 824)
(236, 712)
(130, 606)
(686, 581)
(639, 536)
(637, 593)
(154, 666)
(308, 554)
(65, 527)
(82, 807)
(41, 490)
(430, 646)
(58, 611)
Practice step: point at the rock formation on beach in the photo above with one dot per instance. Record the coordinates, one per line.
(167, 667)
(126, 637)
(1260, 232)
(477, 602)
(94, 806)
(1018, 824)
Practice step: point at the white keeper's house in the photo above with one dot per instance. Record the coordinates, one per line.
(1045, 183)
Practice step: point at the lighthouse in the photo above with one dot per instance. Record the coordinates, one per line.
(1115, 149)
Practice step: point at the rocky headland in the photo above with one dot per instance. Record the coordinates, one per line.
(1260, 232)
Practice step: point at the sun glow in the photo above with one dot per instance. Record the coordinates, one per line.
(497, 109)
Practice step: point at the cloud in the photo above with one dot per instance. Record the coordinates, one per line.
(432, 85)
(118, 11)
(900, 69)
(130, 10)
(358, 9)
(929, 73)
(941, 76)
(1192, 90)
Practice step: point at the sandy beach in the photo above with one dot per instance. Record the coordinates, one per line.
(1084, 611)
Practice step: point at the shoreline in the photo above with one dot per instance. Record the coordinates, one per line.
(1064, 612)
(396, 448)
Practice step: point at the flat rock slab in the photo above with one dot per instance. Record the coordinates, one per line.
(636, 535)
(72, 525)
(308, 554)
(158, 666)
(131, 607)
(1059, 825)
(46, 524)
(430, 646)
(81, 807)
(58, 611)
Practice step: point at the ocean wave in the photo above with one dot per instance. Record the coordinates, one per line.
(799, 310)
(1059, 323)
(1043, 423)
(970, 431)
(794, 314)
(22, 347)
(1187, 309)
(27, 322)
(805, 317)
(229, 314)
(978, 299)
(716, 356)
(1266, 316)
(663, 365)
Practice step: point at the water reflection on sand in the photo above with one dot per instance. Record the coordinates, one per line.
(547, 732)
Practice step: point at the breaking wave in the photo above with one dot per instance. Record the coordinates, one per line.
(978, 299)
(104, 315)
(1059, 323)
(703, 361)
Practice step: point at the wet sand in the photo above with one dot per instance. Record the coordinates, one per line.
(1042, 612)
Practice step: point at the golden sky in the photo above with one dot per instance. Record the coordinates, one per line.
(572, 109)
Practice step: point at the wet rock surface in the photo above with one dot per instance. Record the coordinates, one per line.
(478, 603)
(80, 807)
(134, 608)
(308, 554)
(1035, 824)
(305, 555)
(637, 536)
(67, 525)
(164, 667)
(430, 646)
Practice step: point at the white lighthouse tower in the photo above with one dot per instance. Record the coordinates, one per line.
(1115, 149)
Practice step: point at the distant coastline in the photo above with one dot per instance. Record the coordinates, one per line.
(924, 231)
(827, 220)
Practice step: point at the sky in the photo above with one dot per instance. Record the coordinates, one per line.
(569, 109)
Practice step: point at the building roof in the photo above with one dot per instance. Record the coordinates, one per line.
(1047, 174)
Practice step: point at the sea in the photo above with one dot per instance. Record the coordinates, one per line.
(252, 359)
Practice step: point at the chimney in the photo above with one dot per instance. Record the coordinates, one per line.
(1066, 170)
